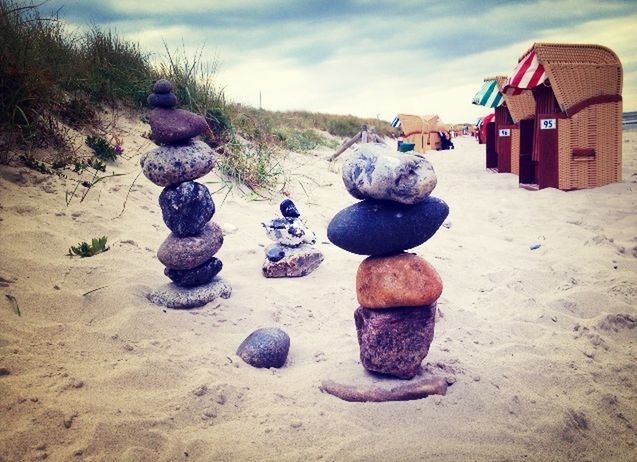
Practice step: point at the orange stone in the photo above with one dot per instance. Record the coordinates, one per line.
(397, 280)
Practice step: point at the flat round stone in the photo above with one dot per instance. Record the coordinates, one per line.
(170, 126)
(169, 165)
(397, 280)
(173, 296)
(372, 227)
(266, 347)
(186, 208)
(162, 86)
(377, 172)
(183, 253)
(164, 100)
(200, 275)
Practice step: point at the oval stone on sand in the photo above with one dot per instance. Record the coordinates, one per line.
(267, 347)
(398, 280)
(373, 227)
(173, 296)
(170, 126)
(377, 172)
(169, 165)
(186, 208)
(182, 253)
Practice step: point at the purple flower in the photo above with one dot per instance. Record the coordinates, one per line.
(118, 149)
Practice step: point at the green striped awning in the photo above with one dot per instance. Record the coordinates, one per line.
(488, 95)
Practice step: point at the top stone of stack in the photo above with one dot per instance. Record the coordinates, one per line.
(377, 172)
(170, 125)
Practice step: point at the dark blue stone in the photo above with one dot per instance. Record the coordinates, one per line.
(186, 208)
(198, 276)
(275, 252)
(267, 347)
(164, 100)
(162, 86)
(288, 209)
(373, 227)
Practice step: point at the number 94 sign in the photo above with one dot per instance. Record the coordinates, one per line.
(548, 124)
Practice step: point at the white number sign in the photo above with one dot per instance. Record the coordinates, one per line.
(548, 124)
(504, 132)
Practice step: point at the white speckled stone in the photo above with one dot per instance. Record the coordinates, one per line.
(377, 172)
(288, 231)
(173, 296)
(174, 164)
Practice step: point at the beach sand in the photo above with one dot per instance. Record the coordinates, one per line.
(541, 343)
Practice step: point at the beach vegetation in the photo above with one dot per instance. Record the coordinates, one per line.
(83, 249)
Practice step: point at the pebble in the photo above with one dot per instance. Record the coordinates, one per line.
(170, 126)
(186, 208)
(266, 347)
(4, 371)
(274, 252)
(162, 86)
(372, 227)
(197, 276)
(163, 100)
(288, 209)
(395, 341)
(170, 165)
(398, 280)
(377, 172)
(296, 262)
(173, 296)
(183, 253)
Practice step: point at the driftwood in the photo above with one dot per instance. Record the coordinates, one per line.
(415, 389)
(363, 137)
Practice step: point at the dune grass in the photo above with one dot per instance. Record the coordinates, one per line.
(54, 82)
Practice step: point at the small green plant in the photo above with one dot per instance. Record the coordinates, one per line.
(88, 250)
(102, 148)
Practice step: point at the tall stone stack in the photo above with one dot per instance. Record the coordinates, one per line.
(396, 291)
(187, 206)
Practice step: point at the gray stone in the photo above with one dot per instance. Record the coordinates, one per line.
(377, 172)
(162, 86)
(182, 253)
(296, 262)
(170, 126)
(165, 100)
(266, 347)
(169, 165)
(394, 341)
(173, 296)
(289, 231)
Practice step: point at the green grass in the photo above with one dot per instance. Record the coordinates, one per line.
(53, 80)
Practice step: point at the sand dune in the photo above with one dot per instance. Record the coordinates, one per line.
(540, 343)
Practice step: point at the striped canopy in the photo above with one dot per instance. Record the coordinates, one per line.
(528, 74)
(488, 95)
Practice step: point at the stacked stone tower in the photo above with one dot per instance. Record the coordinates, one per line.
(396, 291)
(187, 206)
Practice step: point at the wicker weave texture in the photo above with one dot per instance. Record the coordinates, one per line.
(579, 72)
(515, 151)
(521, 106)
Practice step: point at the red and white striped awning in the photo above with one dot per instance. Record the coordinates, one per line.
(528, 74)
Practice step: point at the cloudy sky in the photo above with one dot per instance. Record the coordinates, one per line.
(371, 58)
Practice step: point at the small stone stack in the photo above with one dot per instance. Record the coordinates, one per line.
(396, 291)
(292, 254)
(187, 207)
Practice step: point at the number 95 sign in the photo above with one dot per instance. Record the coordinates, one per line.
(548, 124)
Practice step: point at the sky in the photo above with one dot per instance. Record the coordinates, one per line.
(369, 58)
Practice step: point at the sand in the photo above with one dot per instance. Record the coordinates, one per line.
(539, 344)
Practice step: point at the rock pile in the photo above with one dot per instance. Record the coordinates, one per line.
(187, 206)
(292, 254)
(396, 291)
